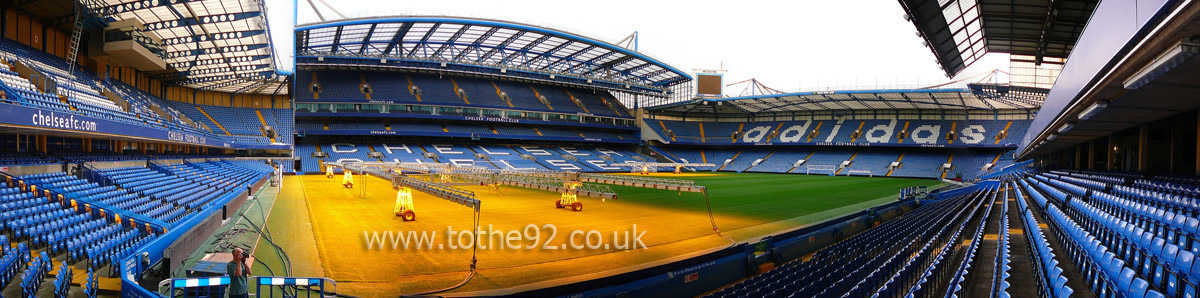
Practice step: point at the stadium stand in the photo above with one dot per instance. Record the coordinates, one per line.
(916, 163)
(143, 109)
(338, 86)
(190, 185)
(60, 228)
(918, 132)
(589, 159)
(888, 260)
(84, 222)
(489, 130)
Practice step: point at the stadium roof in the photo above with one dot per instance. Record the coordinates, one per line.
(481, 42)
(1130, 75)
(219, 45)
(976, 97)
(959, 32)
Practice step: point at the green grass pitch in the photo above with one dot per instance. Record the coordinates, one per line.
(320, 224)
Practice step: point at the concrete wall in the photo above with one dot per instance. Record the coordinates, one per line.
(33, 169)
(104, 165)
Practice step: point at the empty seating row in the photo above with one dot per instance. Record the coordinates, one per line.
(77, 188)
(1107, 256)
(891, 259)
(433, 90)
(35, 274)
(945, 132)
(1050, 279)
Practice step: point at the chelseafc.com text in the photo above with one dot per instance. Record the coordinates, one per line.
(544, 237)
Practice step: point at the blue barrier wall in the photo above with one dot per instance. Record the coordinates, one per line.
(57, 120)
(344, 132)
(131, 269)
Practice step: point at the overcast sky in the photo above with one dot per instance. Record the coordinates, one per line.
(787, 45)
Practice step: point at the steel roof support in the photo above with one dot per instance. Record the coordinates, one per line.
(546, 55)
(571, 57)
(591, 62)
(524, 49)
(451, 41)
(502, 45)
(396, 40)
(478, 41)
(337, 39)
(366, 39)
(424, 39)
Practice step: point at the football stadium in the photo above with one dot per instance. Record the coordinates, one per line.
(211, 148)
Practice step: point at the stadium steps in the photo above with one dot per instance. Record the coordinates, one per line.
(839, 170)
(320, 161)
(764, 158)
(214, 121)
(539, 97)
(980, 279)
(903, 131)
(371, 148)
(948, 160)
(774, 133)
(316, 95)
(953, 129)
(1075, 278)
(362, 81)
(664, 129)
(577, 102)
(1003, 133)
(107, 286)
(410, 85)
(703, 138)
(958, 253)
(263, 121)
(733, 138)
(806, 157)
(731, 160)
(860, 126)
(898, 159)
(994, 160)
(610, 105)
(1021, 272)
(814, 135)
(456, 88)
(506, 99)
(64, 100)
(663, 151)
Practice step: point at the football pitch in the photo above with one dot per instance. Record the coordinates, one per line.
(328, 230)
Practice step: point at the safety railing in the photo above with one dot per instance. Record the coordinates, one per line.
(213, 287)
(291, 287)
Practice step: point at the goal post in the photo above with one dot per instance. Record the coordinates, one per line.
(820, 170)
(860, 173)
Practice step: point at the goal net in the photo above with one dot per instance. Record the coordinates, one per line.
(828, 170)
(859, 173)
